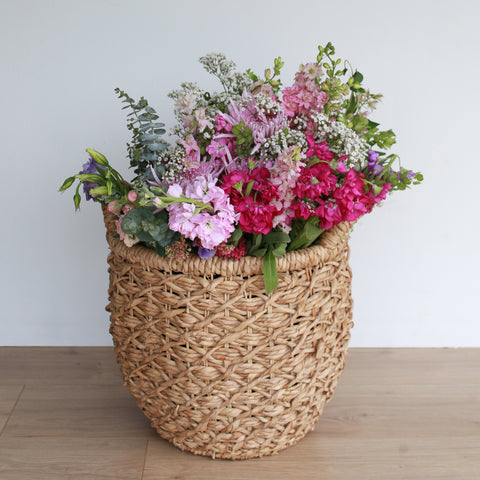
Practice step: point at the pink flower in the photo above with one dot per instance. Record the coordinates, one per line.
(216, 149)
(132, 196)
(114, 206)
(316, 181)
(341, 168)
(189, 144)
(352, 198)
(329, 214)
(222, 124)
(235, 180)
(308, 73)
(202, 122)
(303, 97)
(185, 104)
(175, 190)
(320, 150)
(192, 150)
(128, 240)
(207, 227)
(255, 217)
(302, 210)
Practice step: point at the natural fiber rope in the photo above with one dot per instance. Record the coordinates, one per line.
(219, 367)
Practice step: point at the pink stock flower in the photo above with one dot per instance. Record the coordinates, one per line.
(216, 149)
(316, 181)
(308, 73)
(303, 98)
(329, 213)
(255, 217)
(185, 104)
(202, 122)
(209, 227)
(192, 150)
(235, 180)
(320, 150)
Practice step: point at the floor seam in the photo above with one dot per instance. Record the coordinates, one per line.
(12, 411)
(145, 459)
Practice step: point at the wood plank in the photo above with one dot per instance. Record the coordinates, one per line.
(412, 366)
(374, 411)
(447, 458)
(8, 397)
(71, 459)
(94, 411)
(365, 366)
(58, 365)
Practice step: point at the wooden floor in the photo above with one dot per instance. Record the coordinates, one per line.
(397, 414)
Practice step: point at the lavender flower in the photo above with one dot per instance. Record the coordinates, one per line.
(90, 167)
(206, 253)
(373, 165)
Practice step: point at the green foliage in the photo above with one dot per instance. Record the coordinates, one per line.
(270, 274)
(304, 233)
(272, 79)
(349, 101)
(244, 139)
(147, 133)
(149, 227)
(105, 185)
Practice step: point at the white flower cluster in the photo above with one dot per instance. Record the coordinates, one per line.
(341, 140)
(174, 159)
(280, 141)
(218, 64)
(267, 104)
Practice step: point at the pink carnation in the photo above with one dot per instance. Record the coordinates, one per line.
(255, 217)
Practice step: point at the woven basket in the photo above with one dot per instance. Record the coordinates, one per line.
(219, 367)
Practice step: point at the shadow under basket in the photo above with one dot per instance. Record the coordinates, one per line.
(218, 366)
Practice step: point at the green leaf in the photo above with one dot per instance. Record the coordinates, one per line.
(160, 250)
(276, 237)
(156, 147)
(280, 249)
(357, 77)
(67, 184)
(270, 274)
(148, 137)
(236, 236)
(149, 227)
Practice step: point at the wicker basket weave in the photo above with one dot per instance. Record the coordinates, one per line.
(219, 367)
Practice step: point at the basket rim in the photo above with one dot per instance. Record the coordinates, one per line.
(330, 242)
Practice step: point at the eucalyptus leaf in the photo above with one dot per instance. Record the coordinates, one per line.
(157, 147)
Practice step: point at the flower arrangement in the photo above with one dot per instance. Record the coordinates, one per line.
(256, 169)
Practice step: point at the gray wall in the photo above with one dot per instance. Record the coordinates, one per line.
(415, 260)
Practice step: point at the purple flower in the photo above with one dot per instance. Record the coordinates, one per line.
(90, 167)
(373, 156)
(373, 166)
(206, 253)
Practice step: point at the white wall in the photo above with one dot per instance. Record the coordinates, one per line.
(416, 261)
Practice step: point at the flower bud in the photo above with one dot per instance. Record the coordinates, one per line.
(114, 206)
